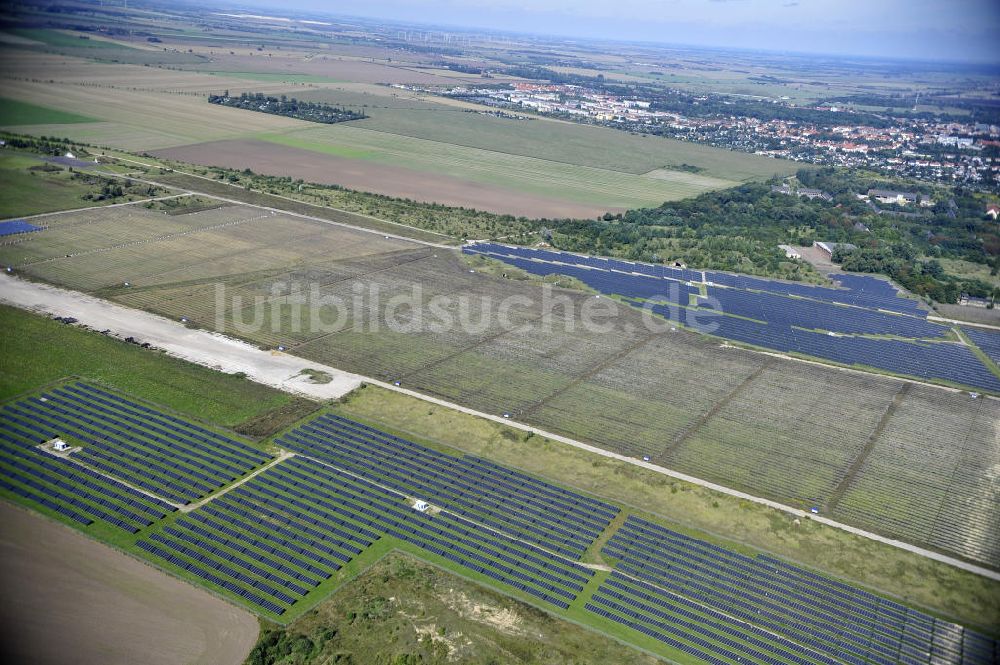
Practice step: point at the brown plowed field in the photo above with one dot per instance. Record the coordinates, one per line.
(69, 599)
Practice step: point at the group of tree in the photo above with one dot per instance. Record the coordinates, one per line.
(288, 107)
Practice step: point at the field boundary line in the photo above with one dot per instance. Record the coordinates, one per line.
(688, 431)
(862, 456)
(110, 205)
(26, 298)
(730, 344)
(589, 373)
(286, 198)
(282, 456)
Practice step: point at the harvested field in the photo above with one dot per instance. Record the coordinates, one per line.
(270, 159)
(472, 178)
(108, 607)
(777, 428)
(329, 67)
(567, 142)
(182, 113)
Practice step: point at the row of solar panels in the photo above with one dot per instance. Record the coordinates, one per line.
(770, 574)
(461, 471)
(536, 511)
(102, 454)
(62, 483)
(274, 567)
(767, 306)
(234, 459)
(507, 550)
(178, 462)
(556, 541)
(781, 317)
(667, 572)
(182, 428)
(15, 226)
(857, 290)
(987, 340)
(512, 477)
(202, 476)
(478, 502)
(928, 360)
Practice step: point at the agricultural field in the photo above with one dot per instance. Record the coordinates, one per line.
(552, 140)
(674, 396)
(110, 607)
(411, 146)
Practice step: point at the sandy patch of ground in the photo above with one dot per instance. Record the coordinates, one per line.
(501, 618)
(69, 599)
(274, 159)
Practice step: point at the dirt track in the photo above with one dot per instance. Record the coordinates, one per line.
(69, 599)
(204, 348)
(274, 159)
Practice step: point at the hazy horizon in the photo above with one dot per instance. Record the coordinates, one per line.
(964, 30)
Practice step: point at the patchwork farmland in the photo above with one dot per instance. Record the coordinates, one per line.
(554, 170)
(802, 434)
(278, 534)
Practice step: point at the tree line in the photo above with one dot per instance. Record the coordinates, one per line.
(288, 107)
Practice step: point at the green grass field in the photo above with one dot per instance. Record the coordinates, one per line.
(44, 351)
(580, 184)
(28, 186)
(568, 143)
(273, 77)
(14, 112)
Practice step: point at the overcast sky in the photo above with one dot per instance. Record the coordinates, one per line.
(929, 29)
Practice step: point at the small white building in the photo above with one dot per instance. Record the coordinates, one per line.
(60, 445)
(790, 252)
(422, 506)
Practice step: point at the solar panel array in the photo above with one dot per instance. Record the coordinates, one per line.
(499, 498)
(821, 322)
(280, 535)
(81, 494)
(987, 340)
(17, 226)
(157, 452)
(723, 607)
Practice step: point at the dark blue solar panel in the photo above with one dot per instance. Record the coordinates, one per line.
(17, 226)
(666, 580)
(987, 340)
(847, 325)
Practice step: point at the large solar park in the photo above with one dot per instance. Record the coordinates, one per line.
(276, 534)
(862, 322)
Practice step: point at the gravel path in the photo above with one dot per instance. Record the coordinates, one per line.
(271, 368)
